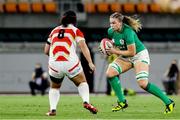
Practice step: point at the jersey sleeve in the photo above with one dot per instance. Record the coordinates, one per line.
(110, 33)
(79, 35)
(129, 35)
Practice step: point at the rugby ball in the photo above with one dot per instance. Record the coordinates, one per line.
(106, 44)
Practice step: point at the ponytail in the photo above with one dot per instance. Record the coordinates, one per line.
(134, 23)
(131, 21)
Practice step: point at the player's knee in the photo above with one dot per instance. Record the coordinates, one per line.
(77, 83)
(83, 84)
(114, 70)
(55, 85)
(55, 82)
(142, 78)
(143, 83)
(109, 74)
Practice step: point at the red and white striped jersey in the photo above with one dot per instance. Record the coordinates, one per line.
(63, 42)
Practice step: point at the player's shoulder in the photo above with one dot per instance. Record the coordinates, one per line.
(127, 29)
(74, 28)
(110, 30)
(56, 28)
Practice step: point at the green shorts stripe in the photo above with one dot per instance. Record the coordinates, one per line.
(145, 62)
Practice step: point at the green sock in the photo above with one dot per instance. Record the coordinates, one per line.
(153, 89)
(116, 85)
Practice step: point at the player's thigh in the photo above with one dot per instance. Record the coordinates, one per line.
(141, 66)
(79, 78)
(118, 66)
(56, 73)
(56, 82)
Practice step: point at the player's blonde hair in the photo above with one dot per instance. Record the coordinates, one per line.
(133, 22)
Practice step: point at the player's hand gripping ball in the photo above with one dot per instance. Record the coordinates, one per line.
(105, 45)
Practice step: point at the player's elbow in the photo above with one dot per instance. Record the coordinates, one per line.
(46, 52)
(133, 54)
(46, 49)
(131, 50)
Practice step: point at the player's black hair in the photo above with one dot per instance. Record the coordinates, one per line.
(69, 17)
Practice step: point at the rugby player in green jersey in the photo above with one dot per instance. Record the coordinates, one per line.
(132, 54)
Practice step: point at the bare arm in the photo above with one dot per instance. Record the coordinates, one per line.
(130, 52)
(86, 53)
(46, 49)
(33, 76)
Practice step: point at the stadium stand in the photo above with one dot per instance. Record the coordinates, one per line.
(178, 10)
(11, 6)
(102, 6)
(80, 7)
(24, 6)
(50, 6)
(66, 6)
(114, 5)
(129, 7)
(175, 6)
(121, 1)
(37, 6)
(89, 6)
(155, 8)
(142, 7)
(1, 6)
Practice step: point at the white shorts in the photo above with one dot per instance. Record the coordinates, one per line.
(59, 69)
(142, 56)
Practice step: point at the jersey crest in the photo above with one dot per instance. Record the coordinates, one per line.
(121, 41)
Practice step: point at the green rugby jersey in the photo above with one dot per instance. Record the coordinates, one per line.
(126, 37)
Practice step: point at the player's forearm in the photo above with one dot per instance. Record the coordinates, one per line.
(126, 53)
(86, 54)
(46, 49)
(47, 54)
(130, 52)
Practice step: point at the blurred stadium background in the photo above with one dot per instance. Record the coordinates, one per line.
(25, 25)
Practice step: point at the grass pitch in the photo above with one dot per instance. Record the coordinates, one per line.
(70, 107)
